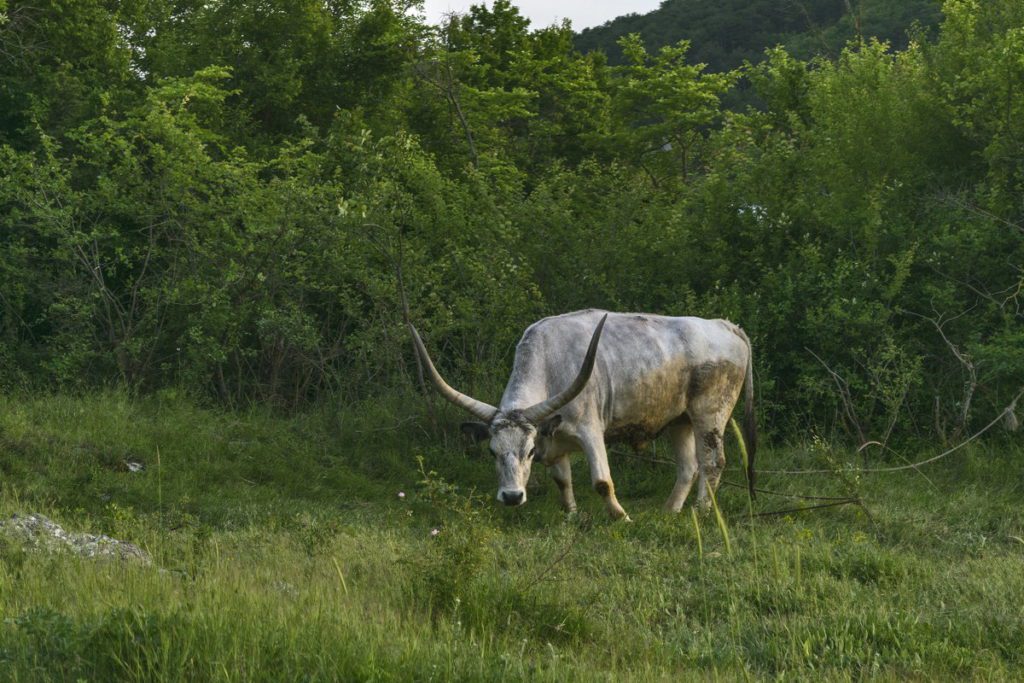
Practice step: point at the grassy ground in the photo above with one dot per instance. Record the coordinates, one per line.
(284, 552)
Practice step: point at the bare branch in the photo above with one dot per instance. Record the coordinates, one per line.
(978, 211)
(970, 367)
(844, 394)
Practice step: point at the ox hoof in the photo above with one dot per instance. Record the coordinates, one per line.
(618, 515)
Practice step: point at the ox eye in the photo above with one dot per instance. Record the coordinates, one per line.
(533, 453)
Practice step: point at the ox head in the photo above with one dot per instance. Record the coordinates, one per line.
(517, 437)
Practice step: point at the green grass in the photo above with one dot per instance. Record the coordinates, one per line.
(283, 552)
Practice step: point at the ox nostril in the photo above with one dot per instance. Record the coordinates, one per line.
(512, 497)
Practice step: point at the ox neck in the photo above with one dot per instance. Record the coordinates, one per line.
(513, 401)
(527, 386)
(521, 393)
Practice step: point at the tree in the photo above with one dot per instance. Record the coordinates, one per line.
(663, 107)
(58, 58)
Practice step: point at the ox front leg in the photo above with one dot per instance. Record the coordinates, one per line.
(561, 472)
(710, 458)
(601, 475)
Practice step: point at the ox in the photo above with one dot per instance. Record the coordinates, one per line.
(641, 375)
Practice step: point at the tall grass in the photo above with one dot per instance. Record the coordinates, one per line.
(283, 552)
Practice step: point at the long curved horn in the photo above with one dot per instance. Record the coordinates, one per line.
(483, 411)
(539, 411)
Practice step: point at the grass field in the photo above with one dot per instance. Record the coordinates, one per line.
(283, 552)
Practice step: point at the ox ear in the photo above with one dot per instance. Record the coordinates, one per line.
(475, 430)
(548, 426)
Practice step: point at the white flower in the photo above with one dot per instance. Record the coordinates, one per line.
(401, 495)
(434, 532)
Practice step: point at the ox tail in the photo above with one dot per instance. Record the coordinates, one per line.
(749, 424)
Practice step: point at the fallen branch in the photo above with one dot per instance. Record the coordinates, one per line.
(848, 501)
(786, 495)
(1008, 410)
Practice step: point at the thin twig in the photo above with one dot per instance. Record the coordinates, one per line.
(555, 562)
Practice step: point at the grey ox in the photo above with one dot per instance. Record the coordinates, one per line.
(641, 375)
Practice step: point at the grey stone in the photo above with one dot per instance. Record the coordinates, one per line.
(41, 533)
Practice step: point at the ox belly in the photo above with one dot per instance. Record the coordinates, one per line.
(642, 407)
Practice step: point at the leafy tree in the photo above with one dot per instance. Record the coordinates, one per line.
(981, 58)
(662, 107)
(57, 58)
(287, 58)
(512, 95)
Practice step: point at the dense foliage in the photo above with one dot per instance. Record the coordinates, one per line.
(245, 199)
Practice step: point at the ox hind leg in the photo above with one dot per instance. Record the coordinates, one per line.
(681, 437)
(709, 410)
(709, 436)
(601, 475)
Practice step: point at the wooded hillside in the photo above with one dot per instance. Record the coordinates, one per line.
(725, 33)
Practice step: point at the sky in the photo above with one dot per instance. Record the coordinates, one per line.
(541, 13)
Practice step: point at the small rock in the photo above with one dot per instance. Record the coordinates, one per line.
(286, 588)
(41, 533)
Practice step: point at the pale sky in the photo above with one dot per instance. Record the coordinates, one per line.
(541, 13)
